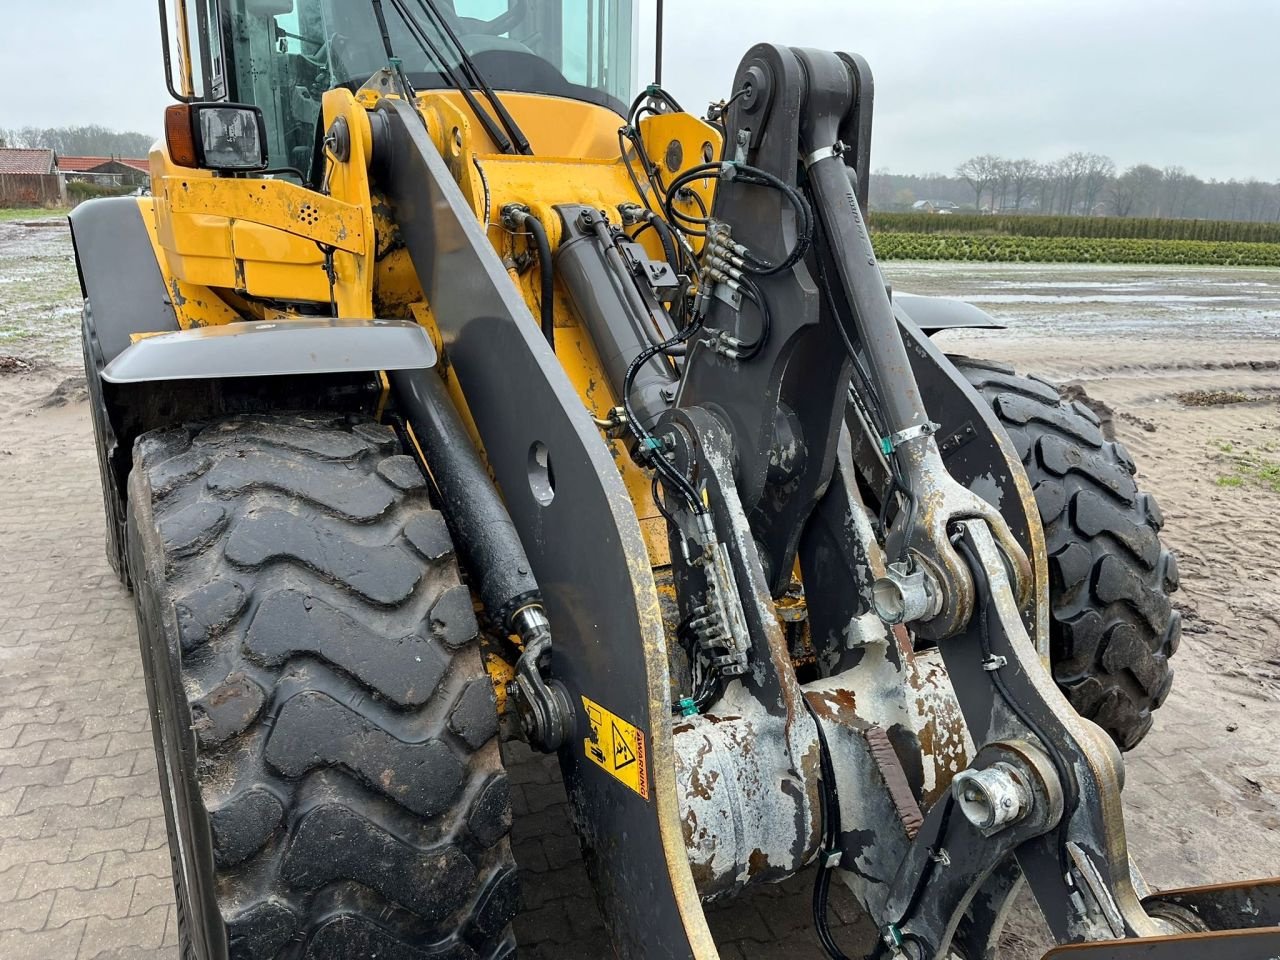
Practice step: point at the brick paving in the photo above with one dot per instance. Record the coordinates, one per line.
(84, 865)
(84, 868)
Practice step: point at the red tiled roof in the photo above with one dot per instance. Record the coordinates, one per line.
(16, 160)
(86, 164)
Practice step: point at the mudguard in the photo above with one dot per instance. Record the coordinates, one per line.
(119, 275)
(934, 314)
(271, 349)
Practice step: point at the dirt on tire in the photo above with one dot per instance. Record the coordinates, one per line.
(326, 730)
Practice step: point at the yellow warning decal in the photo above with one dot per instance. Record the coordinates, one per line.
(617, 747)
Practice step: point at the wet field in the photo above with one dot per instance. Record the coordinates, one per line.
(1114, 300)
(39, 292)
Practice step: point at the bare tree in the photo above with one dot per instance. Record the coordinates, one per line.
(1070, 172)
(1000, 188)
(85, 141)
(1173, 196)
(1022, 176)
(1098, 172)
(1255, 193)
(1234, 191)
(1133, 192)
(981, 173)
(1080, 183)
(1046, 184)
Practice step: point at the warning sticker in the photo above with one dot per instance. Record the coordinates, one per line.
(616, 747)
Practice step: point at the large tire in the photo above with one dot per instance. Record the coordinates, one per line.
(324, 725)
(113, 506)
(1113, 627)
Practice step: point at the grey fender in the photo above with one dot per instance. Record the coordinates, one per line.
(119, 275)
(303, 347)
(932, 314)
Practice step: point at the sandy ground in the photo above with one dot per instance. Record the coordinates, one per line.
(1203, 793)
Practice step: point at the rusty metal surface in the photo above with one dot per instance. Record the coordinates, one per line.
(780, 756)
(878, 811)
(742, 803)
(1228, 945)
(978, 453)
(904, 692)
(1224, 906)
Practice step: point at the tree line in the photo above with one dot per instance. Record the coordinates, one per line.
(1080, 184)
(84, 141)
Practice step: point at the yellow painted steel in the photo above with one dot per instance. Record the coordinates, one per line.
(555, 127)
(675, 143)
(182, 42)
(223, 243)
(194, 305)
(271, 239)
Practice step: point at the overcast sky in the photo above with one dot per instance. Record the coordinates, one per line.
(1189, 82)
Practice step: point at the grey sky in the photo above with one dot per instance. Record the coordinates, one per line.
(1189, 82)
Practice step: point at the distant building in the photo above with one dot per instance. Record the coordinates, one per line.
(29, 178)
(106, 171)
(932, 206)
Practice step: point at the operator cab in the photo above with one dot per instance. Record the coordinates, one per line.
(283, 55)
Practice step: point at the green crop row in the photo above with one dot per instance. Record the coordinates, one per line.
(996, 249)
(1136, 228)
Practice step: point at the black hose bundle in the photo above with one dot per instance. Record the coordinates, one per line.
(743, 173)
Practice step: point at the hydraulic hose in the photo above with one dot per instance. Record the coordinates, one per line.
(667, 238)
(484, 534)
(546, 274)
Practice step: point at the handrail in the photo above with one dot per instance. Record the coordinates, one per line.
(168, 56)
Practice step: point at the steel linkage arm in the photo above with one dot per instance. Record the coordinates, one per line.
(1044, 786)
(929, 584)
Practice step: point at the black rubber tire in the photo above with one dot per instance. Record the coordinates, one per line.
(1112, 625)
(325, 728)
(113, 505)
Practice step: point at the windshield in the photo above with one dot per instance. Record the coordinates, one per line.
(287, 53)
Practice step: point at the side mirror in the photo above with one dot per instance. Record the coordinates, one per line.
(230, 137)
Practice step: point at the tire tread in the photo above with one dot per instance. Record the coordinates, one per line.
(345, 728)
(1113, 627)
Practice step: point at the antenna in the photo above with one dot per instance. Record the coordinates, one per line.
(657, 67)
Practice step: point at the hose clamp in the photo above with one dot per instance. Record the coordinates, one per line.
(903, 437)
(837, 149)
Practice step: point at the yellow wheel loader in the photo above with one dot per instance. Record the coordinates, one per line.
(445, 392)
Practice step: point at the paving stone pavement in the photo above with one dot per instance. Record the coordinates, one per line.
(84, 867)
